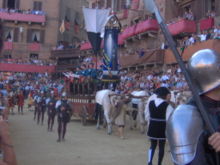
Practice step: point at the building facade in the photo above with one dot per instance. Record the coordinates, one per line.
(131, 14)
(33, 28)
(30, 28)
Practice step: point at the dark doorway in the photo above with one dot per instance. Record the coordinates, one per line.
(11, 4)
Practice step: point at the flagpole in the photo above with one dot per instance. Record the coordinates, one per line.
(113, 7)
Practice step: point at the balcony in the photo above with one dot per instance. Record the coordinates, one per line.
(206, 24)
(65, 68)
(151, 57)
(8, 45)
(26, 68)
(128, 32)
(34, 47)
(182, 26)
(19, 17)
(148, 25)
(189, 51)
(65, 53)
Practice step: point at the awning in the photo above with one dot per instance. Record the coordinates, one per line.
(26, 68)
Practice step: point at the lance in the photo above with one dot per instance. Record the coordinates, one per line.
(151, 6)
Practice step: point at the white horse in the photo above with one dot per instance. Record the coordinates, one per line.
(108, 100)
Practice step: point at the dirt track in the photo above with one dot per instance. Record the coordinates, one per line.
(83, 145)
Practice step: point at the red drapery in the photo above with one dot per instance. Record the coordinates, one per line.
(26, 68)
(147, 25)
(34, 47)
(129, 32)
(206, 24)
(182, 26)
(85, 46)
(22, 17)
(8, 46)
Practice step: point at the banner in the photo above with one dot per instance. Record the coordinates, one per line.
(95, 20)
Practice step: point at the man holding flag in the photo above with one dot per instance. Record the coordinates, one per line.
(193, 129)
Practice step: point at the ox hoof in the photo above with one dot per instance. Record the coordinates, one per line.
(98, 128)
(109, 133)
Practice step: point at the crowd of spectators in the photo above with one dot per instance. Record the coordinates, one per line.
(29, 11)
(152, 78)
(205, 35)
(28, 61)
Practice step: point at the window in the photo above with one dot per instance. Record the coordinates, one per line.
(11, 34)
(37, 5)
(11, 4)
(35, 36)
(8, 34)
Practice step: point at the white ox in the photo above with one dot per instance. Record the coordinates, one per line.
(178, 97)
(103, 98)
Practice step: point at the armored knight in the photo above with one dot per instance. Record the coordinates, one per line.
(190, 142)
(63, 117)
(51, 110)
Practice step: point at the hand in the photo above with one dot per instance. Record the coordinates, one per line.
(214, 141)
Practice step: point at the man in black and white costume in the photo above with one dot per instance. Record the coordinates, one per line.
(157, 112)
(190, 141)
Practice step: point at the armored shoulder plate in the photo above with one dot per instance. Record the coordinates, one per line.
(184, 128)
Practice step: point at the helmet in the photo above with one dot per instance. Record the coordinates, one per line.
(204, 68)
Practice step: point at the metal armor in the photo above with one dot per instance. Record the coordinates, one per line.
(184, 129)
(205, 70)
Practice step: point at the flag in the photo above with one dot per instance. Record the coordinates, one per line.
(95, 20)
(62, 27)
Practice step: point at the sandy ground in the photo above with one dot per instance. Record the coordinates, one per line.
(84, 145)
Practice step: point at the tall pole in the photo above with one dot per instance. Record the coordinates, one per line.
(113, 7)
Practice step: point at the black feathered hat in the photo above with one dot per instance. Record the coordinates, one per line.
(162, 91)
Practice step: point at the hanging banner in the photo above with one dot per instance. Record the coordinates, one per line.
(110, 70)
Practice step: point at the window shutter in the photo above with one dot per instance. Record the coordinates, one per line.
(42, 36)
(39, 6)
(17, 4)
(29, 32)
(16, 34)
